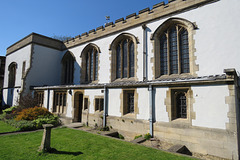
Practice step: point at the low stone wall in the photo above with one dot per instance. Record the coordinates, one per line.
(206, 141)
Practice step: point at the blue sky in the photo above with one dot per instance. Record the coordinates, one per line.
(19, 18)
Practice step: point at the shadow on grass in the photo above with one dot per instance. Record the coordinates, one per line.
(55, 151)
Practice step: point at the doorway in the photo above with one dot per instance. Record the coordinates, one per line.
(78, 103)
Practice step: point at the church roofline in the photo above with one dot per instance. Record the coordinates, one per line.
(146, 15)
(35, 39)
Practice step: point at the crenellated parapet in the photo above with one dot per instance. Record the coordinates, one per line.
(146, 15)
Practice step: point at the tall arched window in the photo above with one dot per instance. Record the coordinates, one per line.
(125, 59)
(173, 45)
(174, 52)
(12, 74)
(67, 68)
(90, 63)
(91, 71)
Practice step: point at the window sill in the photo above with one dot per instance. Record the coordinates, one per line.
(129, 115)
(174, 76)
(125, 79)
(181, 121)
(90, 82)
(99, 112)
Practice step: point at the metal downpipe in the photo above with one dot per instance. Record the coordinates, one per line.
(151, 109)
(105, 106)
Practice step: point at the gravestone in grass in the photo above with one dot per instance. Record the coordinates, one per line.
(45, 145)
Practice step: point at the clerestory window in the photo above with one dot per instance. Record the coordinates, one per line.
(67, 68)
(125, 59)
(174, 51)
(90, 63)
(12, 74)
(91, 73)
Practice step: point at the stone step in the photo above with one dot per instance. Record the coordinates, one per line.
(180, 149)
(74, 125)
(139, 140)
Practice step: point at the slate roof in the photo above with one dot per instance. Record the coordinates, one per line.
(157, 82)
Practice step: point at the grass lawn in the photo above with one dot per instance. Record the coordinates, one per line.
(6, 127)
(75, 144)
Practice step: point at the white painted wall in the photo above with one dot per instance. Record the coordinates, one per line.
(114, 102)
(160, 107)
(143, 103)
(19, 56)
(69, 104)
(91, 93)
(210, 108)
(51, 100)
(46, 68)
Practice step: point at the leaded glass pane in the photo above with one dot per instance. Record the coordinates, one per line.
(163, 55)
(125, 62)
(87, 67)
(131, 59)
(101, 103)
(130, 102)
(173, 50)
(184, 51)
(64, 99)
(118, 67)
(91, 65)
(181, 105)
(96, 65)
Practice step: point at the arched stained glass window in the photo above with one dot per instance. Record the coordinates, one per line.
(174, 50)
(67, 68)
(118, 64)
(184, 50)
(91, 58)
(163, 55)
(12, 74)
(125, 59)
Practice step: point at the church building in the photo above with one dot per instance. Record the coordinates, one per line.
(171, 70)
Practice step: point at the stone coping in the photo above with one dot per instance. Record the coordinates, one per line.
(212, 79)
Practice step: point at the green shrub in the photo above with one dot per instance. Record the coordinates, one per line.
(22, 125)
(32, 113)
(137, 136)
(54, 120)
(2, 116)
(147, 136)
(9, 110)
